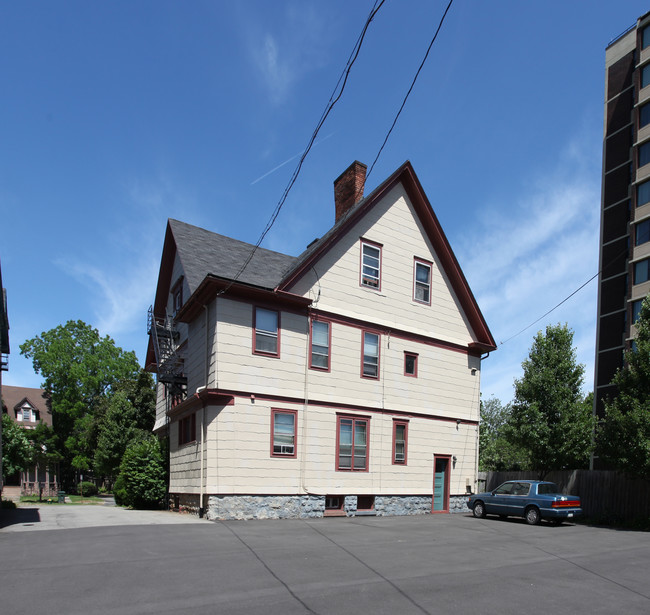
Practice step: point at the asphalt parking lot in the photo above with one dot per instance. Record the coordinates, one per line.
(158, 562)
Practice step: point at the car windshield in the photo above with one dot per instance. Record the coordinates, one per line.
(544, 488)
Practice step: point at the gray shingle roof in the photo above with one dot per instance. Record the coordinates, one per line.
(203, 252)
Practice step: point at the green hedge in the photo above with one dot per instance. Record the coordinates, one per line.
(86, 488)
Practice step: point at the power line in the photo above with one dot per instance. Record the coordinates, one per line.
(334, 98)
(577, 290)
(426, 55)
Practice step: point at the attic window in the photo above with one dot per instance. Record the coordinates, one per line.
(177, 296)
(370, 264)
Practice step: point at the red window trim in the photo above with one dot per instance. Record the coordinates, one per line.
(354, 419)
(275, 355)
(429, 264)
(181, 429)
(415, 356)
(405, 423)
(363, 352)
(329, 345)
(275, 411)
(379, 246)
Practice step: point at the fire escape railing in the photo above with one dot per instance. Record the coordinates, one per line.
(169, 359)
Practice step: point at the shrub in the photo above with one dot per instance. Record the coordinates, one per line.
(142, 474)
(119, 492)
(7, 505)
(86, 488)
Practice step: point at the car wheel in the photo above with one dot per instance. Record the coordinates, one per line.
(532, 516)
(479, 510)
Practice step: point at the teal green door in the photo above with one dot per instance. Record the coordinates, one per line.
(440, 481)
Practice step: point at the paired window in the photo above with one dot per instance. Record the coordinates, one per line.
(352, 443)
(283, 433)
(411, 364)
(422, 282)
(642, 271)
(400, 432)
(187, 429)
(643, 194)
(266, 332)
(370, 265)
(370, 353)
(320, 345)
(642, 232)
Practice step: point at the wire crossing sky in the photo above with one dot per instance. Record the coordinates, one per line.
(117, 116)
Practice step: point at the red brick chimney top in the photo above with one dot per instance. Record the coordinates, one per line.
(348, 188)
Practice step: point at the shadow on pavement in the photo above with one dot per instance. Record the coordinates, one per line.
(19, 516)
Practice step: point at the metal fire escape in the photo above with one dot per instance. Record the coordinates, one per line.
(169, 359)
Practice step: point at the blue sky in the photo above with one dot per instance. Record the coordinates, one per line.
(117, 116)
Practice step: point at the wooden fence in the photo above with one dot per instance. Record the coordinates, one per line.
(605, 495)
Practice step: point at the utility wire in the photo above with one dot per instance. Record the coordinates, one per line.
(334, 98)
(426, 55)
(577, 290)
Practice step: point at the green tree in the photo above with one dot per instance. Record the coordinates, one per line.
(80, 369)
(550, 419)
(117, 429)
(17, 450)
(623, 437)
(496, 452)
(141, 482)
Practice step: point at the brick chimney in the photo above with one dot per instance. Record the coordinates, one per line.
(348, 188)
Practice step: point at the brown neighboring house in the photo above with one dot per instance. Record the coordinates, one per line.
(28, 407)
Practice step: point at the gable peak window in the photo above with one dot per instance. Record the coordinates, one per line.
(266, 331)
(370, 265)
(422, 282)
(177, 296)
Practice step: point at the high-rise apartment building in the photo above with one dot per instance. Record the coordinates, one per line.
(625, 204)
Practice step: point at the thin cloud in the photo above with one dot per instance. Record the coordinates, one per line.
(524, 258)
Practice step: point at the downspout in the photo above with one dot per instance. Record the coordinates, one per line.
(202, 443)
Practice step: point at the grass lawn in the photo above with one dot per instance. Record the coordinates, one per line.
(74, 499)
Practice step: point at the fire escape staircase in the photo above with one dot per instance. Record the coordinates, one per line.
(169, 359)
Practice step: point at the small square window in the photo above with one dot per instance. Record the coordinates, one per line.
(411, 364)
(370, 353)
(283, 433)
(266, 332)
(370, 265)
(422, 282)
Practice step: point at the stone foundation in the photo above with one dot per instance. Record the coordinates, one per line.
(222, 507)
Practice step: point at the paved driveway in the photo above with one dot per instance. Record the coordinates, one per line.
(405, 565)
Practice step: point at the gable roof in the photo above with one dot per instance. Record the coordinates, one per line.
(15, 397)
(211, 261)
(407, 177)
(203, 253)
